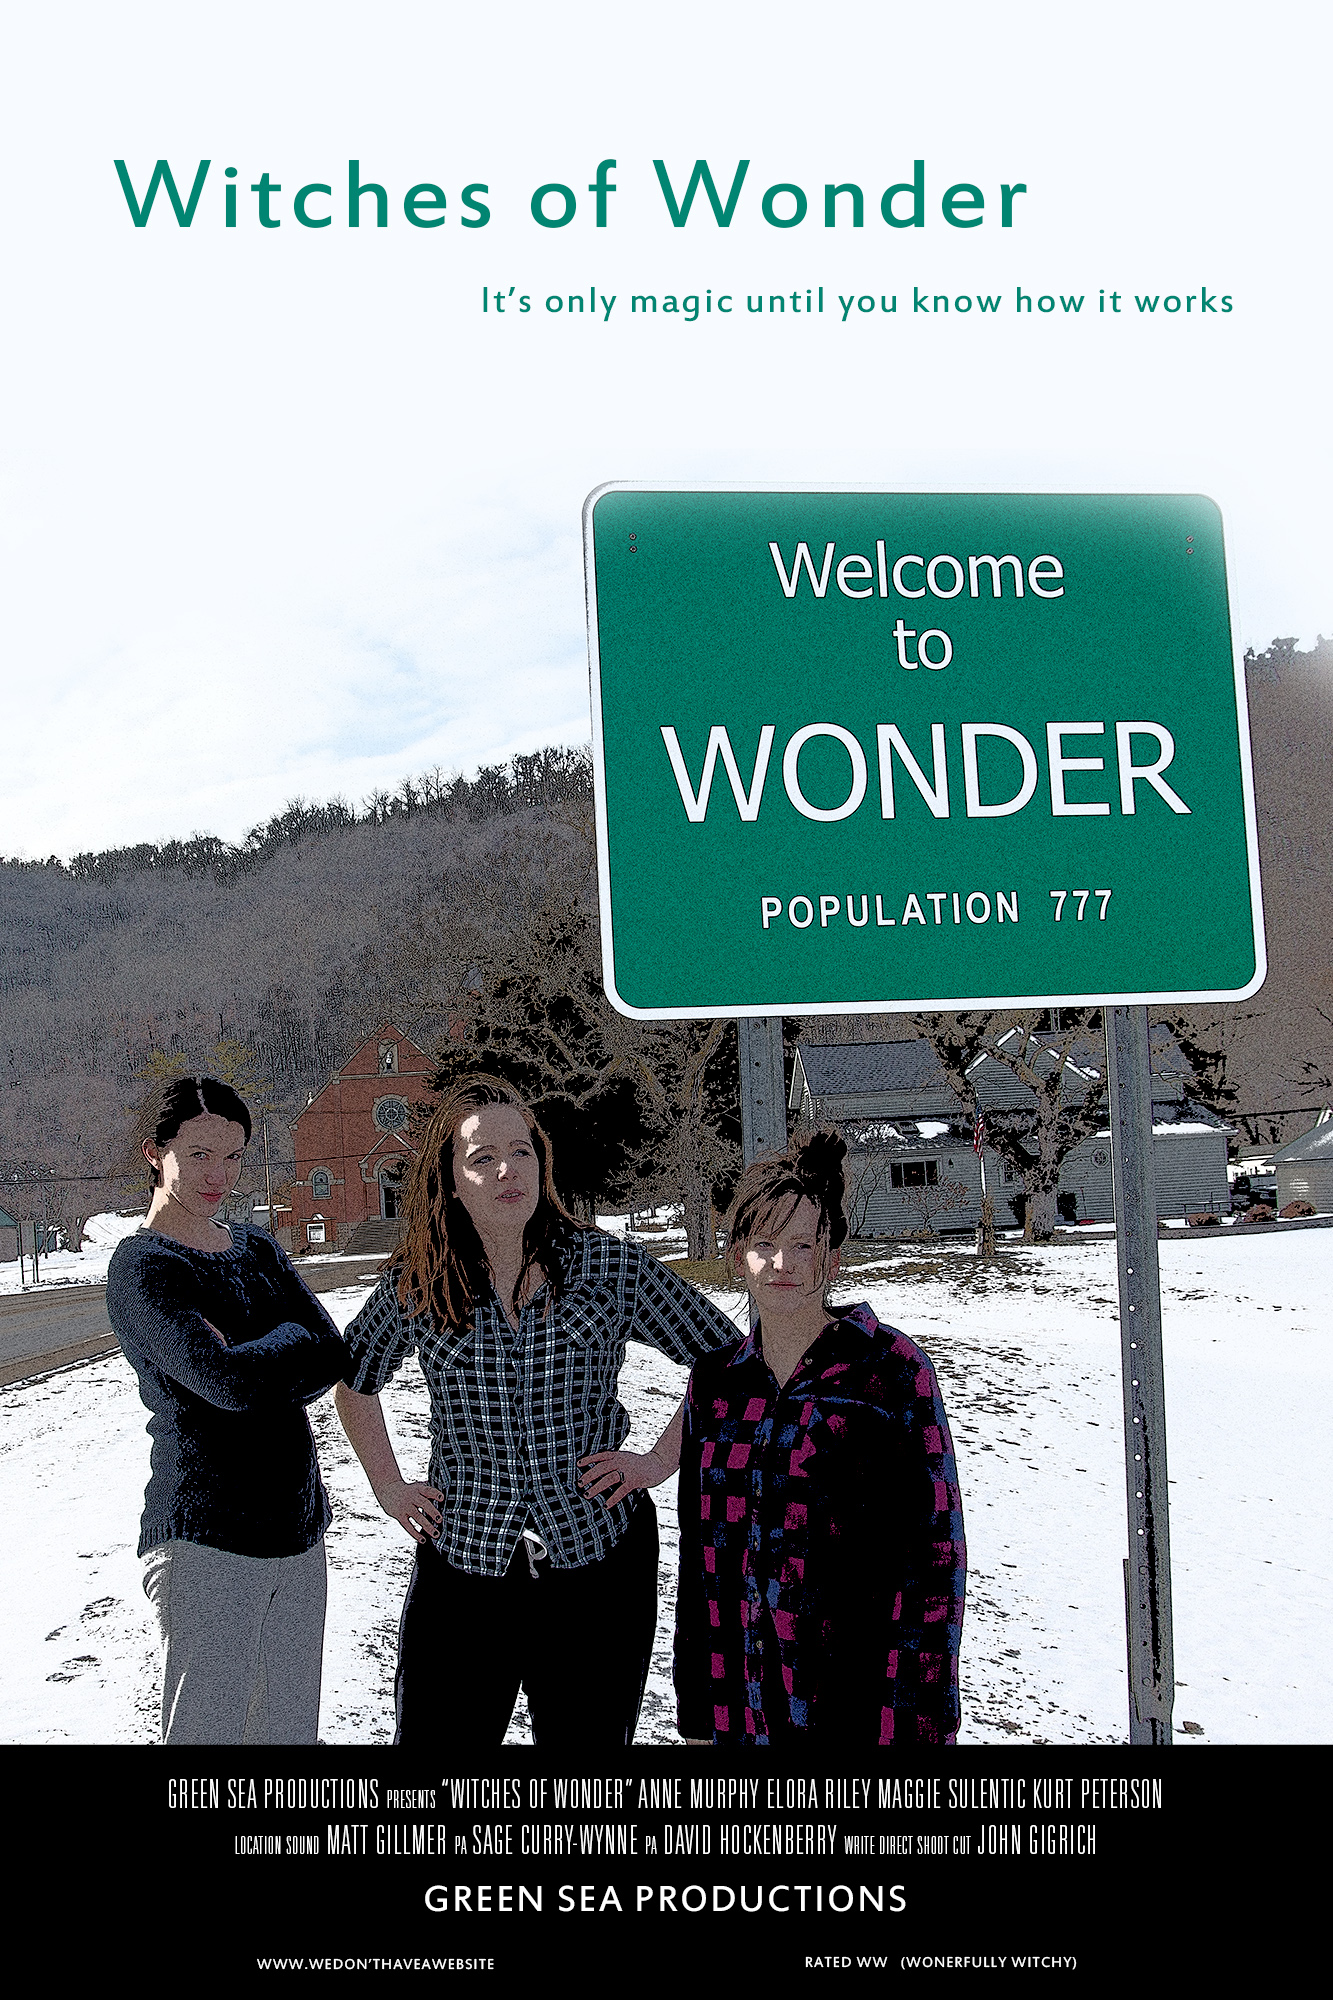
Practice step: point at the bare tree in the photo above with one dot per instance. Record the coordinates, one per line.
(1212, 1043)
(871, 1175)
(1316, 1069)
(526, 1003)
(933, 1198)
(60, 1139)
(647, 1106)
(687, 1073)
(1063, 1098)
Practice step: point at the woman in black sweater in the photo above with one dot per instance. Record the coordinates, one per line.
(228, 1346)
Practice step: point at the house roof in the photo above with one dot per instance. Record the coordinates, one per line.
(386, 1032)
(854, 1069)
(1086, 1058)
(1313, 1145)
(845, 1069)
(904, 1140)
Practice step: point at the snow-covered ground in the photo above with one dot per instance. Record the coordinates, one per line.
(68, 1267)
(1028, 1355)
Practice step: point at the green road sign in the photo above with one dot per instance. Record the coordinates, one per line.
(863, 751)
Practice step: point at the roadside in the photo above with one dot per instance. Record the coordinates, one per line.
(1028, 1354)
(62, 1320)
(46, 1327)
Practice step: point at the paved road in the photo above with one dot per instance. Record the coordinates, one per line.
(49, 1329)
(43, 1329)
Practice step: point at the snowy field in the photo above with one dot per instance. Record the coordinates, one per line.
(68, 1267)
(89, 1266)
(1028, 1356)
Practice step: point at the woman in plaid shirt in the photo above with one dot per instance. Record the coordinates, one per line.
(821, 1531)
(529, 1570)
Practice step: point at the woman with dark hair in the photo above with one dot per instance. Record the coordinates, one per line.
(228, 1346)
(524, 1574)
(821, 1530)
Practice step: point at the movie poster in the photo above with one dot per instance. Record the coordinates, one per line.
(323, 324)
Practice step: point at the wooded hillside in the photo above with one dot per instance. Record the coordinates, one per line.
(465, 910)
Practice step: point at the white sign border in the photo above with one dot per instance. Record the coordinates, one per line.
(942, 1005)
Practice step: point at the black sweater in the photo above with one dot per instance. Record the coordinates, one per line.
(233, 1461)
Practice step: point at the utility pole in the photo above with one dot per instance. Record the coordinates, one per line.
(268, 1179)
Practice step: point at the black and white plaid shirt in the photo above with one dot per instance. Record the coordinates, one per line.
(512, 1413)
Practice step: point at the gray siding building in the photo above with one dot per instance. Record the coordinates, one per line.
(1305, 1167)
(911, 1160)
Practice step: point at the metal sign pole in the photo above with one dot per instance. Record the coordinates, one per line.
(763, 1086)
(763, 1093)
(1148, 1566)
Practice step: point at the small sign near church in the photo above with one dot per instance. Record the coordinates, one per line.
(862, 751)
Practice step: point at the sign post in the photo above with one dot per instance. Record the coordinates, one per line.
(763, 1093)
(862, 752)
(763, 1086)
(1148, 1565)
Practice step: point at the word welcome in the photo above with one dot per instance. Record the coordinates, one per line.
(855, 577)
(891, 744)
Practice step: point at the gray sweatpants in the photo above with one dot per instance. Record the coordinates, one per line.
(243, 1642)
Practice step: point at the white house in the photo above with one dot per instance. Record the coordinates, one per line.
(1305, 1167)
(910, 1153)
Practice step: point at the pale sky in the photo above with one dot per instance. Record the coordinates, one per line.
(285, 512)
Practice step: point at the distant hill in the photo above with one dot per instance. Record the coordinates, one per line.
(324, 920)
(294, 942)
(1284, 1051)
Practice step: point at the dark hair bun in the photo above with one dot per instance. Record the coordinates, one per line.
(817, 1165)
(818, 1162)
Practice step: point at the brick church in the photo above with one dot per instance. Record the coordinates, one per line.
(352, 1143)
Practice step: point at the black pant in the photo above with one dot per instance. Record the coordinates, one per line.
(578, 1642)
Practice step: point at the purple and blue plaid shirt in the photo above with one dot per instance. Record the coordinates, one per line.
(821, 1546)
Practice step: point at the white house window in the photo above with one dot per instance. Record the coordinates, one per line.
(314, 1231)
